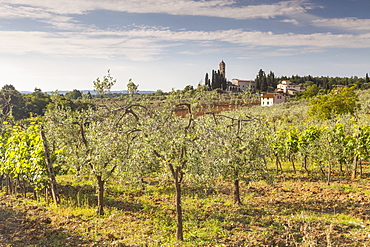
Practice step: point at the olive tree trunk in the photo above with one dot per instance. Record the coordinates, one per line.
(100, 209)
(179, 224)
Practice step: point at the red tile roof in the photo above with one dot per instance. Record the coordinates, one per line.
(270, 95)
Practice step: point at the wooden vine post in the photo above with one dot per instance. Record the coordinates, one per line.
(49, 165)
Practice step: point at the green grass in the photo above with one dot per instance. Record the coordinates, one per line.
(341, 187)
(294, 211)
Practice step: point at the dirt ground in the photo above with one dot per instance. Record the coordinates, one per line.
(24, 225)
(295, 211)
(313, 213)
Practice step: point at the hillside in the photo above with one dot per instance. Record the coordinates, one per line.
(140, 175)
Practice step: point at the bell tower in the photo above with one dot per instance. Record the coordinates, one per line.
(223, 68)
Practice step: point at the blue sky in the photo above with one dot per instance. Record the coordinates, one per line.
(165, 44)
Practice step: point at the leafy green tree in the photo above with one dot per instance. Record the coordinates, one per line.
(88, 95)
(36, 102)
(311, 91)
(238, 150)
(338, 102)
(188, 88)
(365, 86)
(58, 101)
(172, 140)
(308, 84)
(132, 88)
(12, 103)
(74, 94)
(102, 86)
(159, 92)
(96, 142)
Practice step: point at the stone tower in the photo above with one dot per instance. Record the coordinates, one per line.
(223, 68)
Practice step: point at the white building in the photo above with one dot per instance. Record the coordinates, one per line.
(271, 99)
(238, 85)
(288, 88)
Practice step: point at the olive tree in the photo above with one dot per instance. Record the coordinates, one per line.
(239, 149)
(95, 142)
(171, 139)
(132, 88)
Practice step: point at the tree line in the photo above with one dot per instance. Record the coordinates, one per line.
(217, 81)
(267, 82)
(22, 106)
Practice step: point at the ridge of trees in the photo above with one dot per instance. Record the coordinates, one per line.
(217, 81)
(22, 106)
(268, 82)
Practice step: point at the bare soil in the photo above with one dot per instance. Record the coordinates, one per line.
(295, 211)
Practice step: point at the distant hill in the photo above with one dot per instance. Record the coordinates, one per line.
(86, 91)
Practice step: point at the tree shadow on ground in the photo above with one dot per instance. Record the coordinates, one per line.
(28, 226)
(86, 196)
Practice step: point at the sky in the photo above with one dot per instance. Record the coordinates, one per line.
(169, 44)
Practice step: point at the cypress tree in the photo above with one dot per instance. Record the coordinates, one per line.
(218, 79)
(207, 82)
(223, 82)
(258, 83)
(261, 81)
(271, 82)
(213, 84)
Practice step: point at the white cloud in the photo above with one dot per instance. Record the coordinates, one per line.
(8, 11)
(256, 38)
(57, 21)
(344, 23)
(282, 52)
(149, 44)
(58, 14)
(78, 45)
(216, 8)
(292, 21)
